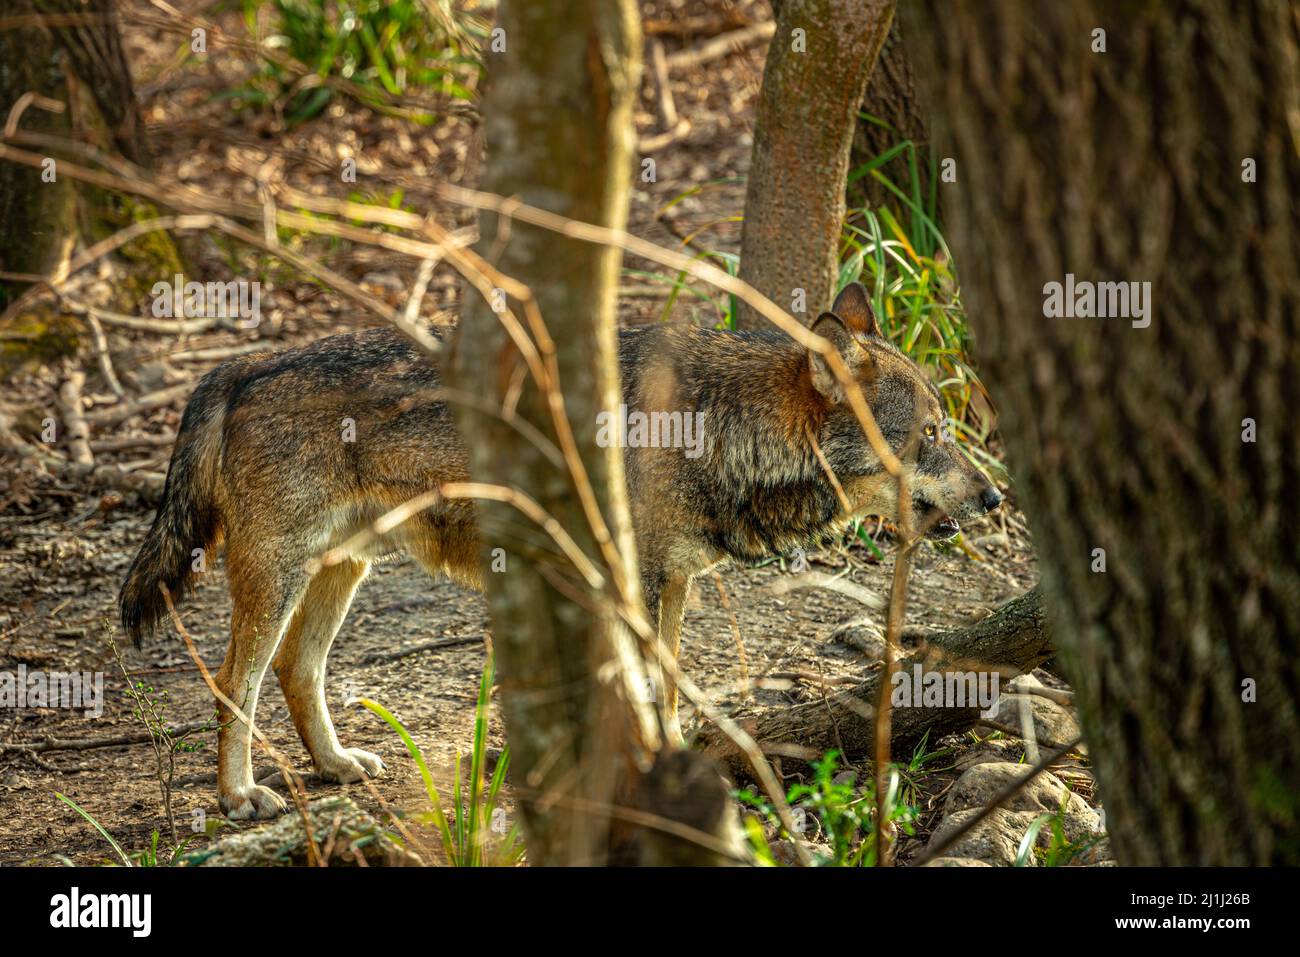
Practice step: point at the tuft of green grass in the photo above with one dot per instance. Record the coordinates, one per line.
(477, 833)
(383, 49)
(845, 813)
(899, 253)
(1060, 850)
(149, 857)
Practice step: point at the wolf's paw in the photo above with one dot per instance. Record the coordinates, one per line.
(351, 764)
(253, 803)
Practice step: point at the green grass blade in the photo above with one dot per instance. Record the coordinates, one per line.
(430, 788)
(476, 760)
(126, 861)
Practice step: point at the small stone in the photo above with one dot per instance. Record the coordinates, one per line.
(283, 842)
(783, 852)
(1046, 793)
(947, 861)
(995, 840)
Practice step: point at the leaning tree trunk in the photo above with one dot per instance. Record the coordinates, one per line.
(816, 71)
(1158, 464)
(558, 123)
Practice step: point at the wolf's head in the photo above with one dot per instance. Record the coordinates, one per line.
(945, 487)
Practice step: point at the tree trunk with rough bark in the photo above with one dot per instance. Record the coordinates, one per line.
(82, 66)
(1155, 453)
(816, 72)
(558, 123)
(896, 114)
(39, 213)
(75, 58)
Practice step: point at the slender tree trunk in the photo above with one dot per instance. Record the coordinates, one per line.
(559, 133)
(1169, 158)
(99, 73)
(813, 82)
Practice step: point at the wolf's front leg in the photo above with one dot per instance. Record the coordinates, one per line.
(672, 608)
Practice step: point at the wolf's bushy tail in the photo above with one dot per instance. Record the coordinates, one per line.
(187, 517)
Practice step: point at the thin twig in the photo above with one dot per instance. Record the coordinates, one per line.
(75, 428)
(115, 741)
(101, 353)
(721, 46)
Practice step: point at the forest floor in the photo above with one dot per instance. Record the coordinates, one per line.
(64, 548)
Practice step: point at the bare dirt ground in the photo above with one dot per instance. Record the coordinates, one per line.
(64, 549)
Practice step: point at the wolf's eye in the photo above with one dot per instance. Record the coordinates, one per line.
(931, 432)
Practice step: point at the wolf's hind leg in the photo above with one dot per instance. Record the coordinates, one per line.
(672, 608)
(263, 595)
(300, 666)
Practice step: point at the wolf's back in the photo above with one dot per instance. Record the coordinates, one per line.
(188, 517)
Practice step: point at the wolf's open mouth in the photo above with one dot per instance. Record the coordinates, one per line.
(938, 527)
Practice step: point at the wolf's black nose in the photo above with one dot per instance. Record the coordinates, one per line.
(991, 498)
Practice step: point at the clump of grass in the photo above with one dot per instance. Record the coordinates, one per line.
(477, 834)
(845, 814)
(384, 49)
(149, 857)
(1060, 850)
(900, 255)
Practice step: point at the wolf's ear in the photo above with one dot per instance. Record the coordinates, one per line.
(853, 305)
(832, 327)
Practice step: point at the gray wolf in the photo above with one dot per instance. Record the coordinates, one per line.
(263, 464)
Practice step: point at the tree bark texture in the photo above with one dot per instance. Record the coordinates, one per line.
(813, 82)
(38, 217)
(74, 58)
(1134, 165)
(559, 133)
(891, 99)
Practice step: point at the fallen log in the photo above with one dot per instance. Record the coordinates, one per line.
(1014, 640)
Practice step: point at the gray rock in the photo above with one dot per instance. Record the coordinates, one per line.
(979, 785)
(1097, 854)
(947, 861)
(1054, 726)
(994, 840)
(340, 829)
(783, 851)
(996, 751)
